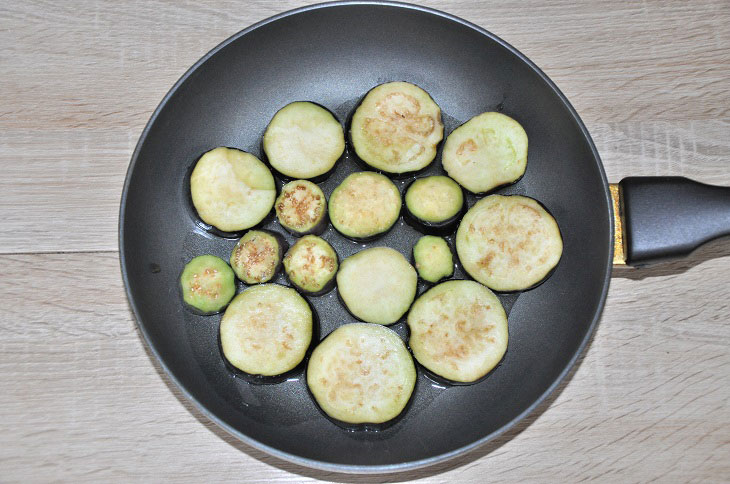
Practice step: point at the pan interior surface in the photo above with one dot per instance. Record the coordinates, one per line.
(333, 55)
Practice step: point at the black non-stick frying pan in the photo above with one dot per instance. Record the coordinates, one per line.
(332, 54)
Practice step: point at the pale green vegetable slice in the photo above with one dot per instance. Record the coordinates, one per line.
(487, 151)
(458, 330)
(361, 373)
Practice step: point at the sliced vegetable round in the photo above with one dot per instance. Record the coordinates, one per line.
(434, 204)
(257, 256)
(361, 373)
(396, 128)
(458, 330)
(302, 208)
(266, 330)
(364, 205)
(377, 285)
(207, 284)
(508, 243)
(231, 189)
(311, 265)
(487, 151)
(433, 258)
(303, 140)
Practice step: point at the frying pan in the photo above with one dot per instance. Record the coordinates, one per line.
(332, 54)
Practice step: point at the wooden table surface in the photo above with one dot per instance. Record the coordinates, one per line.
(82, 399)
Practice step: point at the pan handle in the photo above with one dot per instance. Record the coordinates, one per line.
(662, 218)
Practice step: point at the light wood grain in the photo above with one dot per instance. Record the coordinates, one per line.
(83, 400)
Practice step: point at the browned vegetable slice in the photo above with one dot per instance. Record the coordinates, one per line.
(397, 128)
(458, 330)
(508, 243)
(311, 264)
(301, 208)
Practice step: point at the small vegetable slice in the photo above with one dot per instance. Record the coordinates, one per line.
(257, 256)
(301, 208)
(361, 373)
(434, 204)
(311, 265)
(508, 243)
(303, 140)
(377, 285)
(266, 330)
(396, 128)
(364, 205)
(207, 284)
(458, 330)
(487, 151)
(433, 258)
(231, 189)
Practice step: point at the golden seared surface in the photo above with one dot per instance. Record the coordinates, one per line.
(300, 205)
(361, 373)
(508, 242)
(458, 330)
(311, 262)
(397, 128)
(255, 257)
(364, 204)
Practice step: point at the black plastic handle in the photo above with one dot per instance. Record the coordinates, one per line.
(669, 217)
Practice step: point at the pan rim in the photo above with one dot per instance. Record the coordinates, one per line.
(376, 468)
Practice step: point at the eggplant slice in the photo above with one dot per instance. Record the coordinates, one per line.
(311, 265)
(361, 373)
(364, 205)
(257, 256)
(458, 330)
(396, 128)
(231, 190)
(377, 285)
(434, 204)
(433, 258)
(303, 140)
(508, 243)
(207, 284)
(301, 208)
(488, 151)
(266, 330)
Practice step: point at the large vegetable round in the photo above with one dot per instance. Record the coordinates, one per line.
(361, 373)
(231, 189)
(458, 330)
(303, 140)
(508, 243)
(487, 151)
(266, 330)
(364, 205)
(396, 128)
(377, 285)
